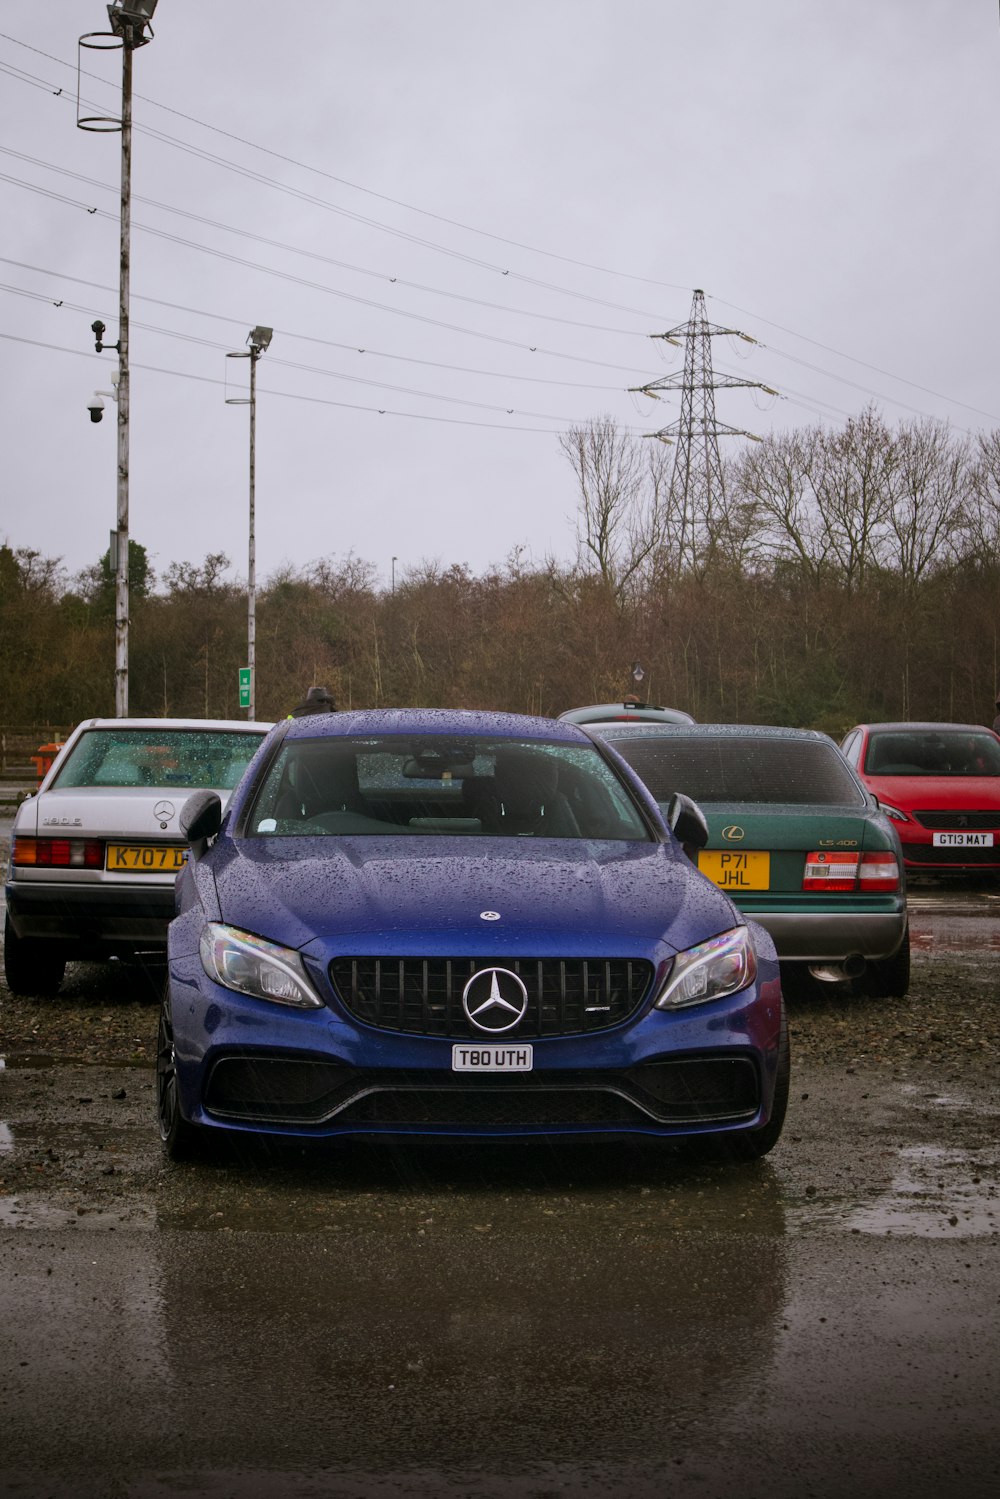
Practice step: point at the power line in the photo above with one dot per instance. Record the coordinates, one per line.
(303, 281)
(275, 244)
(490, 266)
(289, 395)
(887, 374)
(327, 343)
(452, 223)
(357, 187)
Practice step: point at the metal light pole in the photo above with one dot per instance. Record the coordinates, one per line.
(394, 561)
(129, 19)
(258, 341)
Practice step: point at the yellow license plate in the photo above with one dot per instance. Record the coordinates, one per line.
(736, 869)
(145, 858)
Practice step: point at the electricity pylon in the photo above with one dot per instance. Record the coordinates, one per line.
(696, 484)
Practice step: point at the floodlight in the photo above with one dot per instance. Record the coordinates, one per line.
(132, 10)
(129, 19)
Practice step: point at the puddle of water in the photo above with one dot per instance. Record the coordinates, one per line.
(944, 931)
(949, 1101)
(35, 1212)
(25, 1061)
(935, 1193)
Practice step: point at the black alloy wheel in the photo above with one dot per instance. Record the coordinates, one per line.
(181, 1140)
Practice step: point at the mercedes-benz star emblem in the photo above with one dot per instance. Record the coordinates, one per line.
(495, 1000)
(733, 833)
(489, 915)
(163, 811)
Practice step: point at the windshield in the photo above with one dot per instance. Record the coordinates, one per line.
(196, 758)
(931, 752)
(431, 785)
(794, 772)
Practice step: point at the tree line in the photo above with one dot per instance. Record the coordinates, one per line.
(839, 575)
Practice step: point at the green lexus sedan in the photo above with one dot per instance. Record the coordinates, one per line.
(794, 838)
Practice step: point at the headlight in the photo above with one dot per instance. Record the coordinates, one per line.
(893, 812)
(250, 965)
(711, 970)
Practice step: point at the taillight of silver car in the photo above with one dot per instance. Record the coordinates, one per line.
(58, 853)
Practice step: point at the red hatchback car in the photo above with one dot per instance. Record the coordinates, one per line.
(940, 785)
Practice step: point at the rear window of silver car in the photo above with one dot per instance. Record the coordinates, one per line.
(792, 772)
(197, 758)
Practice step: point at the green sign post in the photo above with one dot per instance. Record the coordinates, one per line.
(244, 686)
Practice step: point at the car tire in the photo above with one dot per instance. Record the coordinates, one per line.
(31, 966)
(181, 1140)
(889, 978)
(757, 1142)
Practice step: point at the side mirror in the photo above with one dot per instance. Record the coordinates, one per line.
(686, 821)
(201, 819)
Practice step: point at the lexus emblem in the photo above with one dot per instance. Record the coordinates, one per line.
(494, 1000)
(733, 833)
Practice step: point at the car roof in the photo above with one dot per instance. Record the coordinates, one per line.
(433, 721)
(929, 726)
(623, 712)
(175, 723)
(711, 731)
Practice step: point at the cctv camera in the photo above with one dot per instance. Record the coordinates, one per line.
(96, 407)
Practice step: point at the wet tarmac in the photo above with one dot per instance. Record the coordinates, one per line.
(955, 918)
(509, 1323)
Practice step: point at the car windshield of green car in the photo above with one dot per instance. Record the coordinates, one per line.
(196, 758)
(791, 772)
(395, 784)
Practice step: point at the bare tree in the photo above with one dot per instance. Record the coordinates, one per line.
(777, 476)
(982, 539)
(853, 483)
(927, 516)
(622, 487)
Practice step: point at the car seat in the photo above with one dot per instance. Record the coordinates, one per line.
(528, 801)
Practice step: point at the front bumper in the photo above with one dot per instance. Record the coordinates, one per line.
(91, 919)
(247, 1065)
(671, 1092)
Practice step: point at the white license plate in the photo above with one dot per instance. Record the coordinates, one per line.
(509, 1058)
(963, 840)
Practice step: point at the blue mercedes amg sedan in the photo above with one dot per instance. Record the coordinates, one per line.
(472, 925)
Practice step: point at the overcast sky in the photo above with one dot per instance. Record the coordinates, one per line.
(464, 223)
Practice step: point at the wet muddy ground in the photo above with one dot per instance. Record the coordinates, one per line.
(536, 1323)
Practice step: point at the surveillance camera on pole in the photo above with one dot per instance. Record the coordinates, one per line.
(96, 403)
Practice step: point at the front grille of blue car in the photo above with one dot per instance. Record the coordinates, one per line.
(423, 996)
